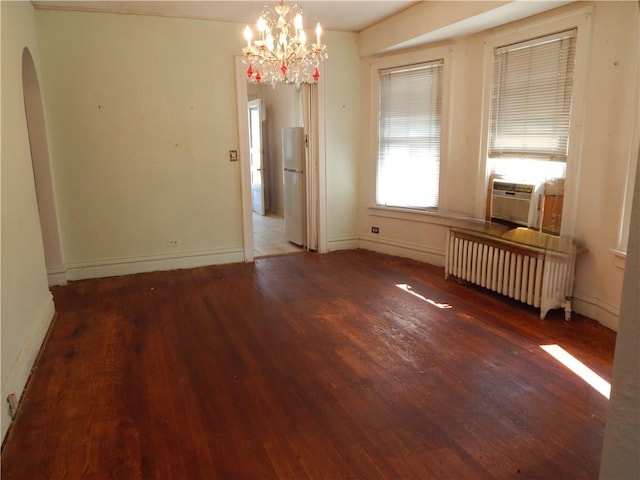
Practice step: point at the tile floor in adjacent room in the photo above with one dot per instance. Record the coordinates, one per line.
(269, 238)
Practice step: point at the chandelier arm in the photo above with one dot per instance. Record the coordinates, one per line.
(264, 53)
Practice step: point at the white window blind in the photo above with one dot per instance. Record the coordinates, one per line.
(410, 106)
(531, 98)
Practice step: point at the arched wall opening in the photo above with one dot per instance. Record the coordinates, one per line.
(56, 271)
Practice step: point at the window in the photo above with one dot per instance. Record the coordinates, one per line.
(531, 98)
(531, 107)
(409, 127)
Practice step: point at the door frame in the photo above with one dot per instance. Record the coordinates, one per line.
(245, 171)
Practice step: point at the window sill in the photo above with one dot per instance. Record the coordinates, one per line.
(619, 258)
(424, 216)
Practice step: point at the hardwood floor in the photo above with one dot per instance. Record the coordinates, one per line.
(307, 366)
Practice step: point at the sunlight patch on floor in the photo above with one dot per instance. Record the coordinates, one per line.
(579, 368)
(409, 289)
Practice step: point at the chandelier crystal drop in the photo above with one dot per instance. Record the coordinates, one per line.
(280, 52)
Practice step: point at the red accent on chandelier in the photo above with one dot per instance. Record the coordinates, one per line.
(316, 75)
(249, 71)
(258, 77)
(283, 69)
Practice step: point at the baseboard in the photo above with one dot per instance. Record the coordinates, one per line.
(20, 369)
(413, 251)
(600, 311)
(57, 276)
(344, 242)
(131, 265)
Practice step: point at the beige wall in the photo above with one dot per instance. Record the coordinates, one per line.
(342, 139)
(27, 306)
(611, 116)
(143, 114)
(610, 89)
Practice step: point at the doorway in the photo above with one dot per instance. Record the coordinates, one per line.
(256, 149)
(256, 226)
(271, 111)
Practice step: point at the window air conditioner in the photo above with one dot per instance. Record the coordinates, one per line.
(516, 202)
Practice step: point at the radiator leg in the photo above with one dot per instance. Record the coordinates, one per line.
(567, 309)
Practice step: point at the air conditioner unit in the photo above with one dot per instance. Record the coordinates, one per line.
(517, 203)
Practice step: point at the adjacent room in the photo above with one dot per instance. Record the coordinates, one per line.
(418, 258)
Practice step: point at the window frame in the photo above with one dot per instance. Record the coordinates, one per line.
(581, 20)
(399, 61)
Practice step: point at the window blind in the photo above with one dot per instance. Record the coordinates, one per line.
(531, 98)
(410, 107)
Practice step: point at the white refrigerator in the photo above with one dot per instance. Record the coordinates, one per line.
(293, 161)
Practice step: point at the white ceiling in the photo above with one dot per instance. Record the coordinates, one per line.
(350, 16)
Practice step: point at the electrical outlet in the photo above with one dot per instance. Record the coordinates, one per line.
(173, 243)
(233, 155)
(375, 230)
(12, 401)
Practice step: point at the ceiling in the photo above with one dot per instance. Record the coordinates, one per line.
(350, 16)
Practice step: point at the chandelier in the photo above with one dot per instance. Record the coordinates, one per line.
(280, 53)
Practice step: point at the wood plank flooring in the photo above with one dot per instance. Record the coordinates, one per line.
(307, 366)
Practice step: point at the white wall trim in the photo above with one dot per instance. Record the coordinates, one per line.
(426, 216)
(20, 369)
(397, 248)
(57, 276)
(343, 242)
(594, 308)
(131, 265)
(619, 258)
(243, 157)
(323, 246)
